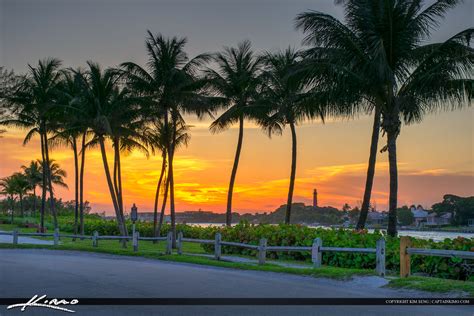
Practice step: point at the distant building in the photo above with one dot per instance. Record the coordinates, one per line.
(315, 198)
(419, 214)
(435, 220)
(376, 218)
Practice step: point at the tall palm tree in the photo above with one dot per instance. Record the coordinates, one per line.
(288, 100)
(112, 115)
(34, 176)
(236, 81)
(181, 139)
(408, 79)
(32, 107)
(68, 131)
(170, 83)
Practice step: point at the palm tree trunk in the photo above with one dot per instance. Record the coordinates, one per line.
(50, 183)
(44, 185)
(119, 177)
(34, 201)
(21, 205)
(171, 190)
(157, 194)
(293, 173)
(13, 208)
(120, 222)
(392, 161)
(116, 186)
(163, 207)
(228, 215)
(76, 186)
(370, 171)
(81, 184)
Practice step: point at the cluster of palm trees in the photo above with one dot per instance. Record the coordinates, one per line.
(374, 62)
(19, 184)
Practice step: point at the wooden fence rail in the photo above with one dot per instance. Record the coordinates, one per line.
(406, 251)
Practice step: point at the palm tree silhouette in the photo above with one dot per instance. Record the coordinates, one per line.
(34, 175)
(69, 128)
(288, 99)
(173, 89)
(32, 106)
(236, 82)
(112, 114)
(395, 72)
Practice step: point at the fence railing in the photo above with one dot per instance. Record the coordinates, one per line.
(262, 248)
(406, 251)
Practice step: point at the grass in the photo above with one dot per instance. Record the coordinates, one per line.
(433, 285)
(10, 227)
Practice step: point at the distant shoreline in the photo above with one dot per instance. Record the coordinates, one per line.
(466, 230)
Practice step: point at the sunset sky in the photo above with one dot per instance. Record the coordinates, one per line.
(435, 157)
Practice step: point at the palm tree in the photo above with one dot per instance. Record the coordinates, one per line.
(112, 114)
(70, 127)
(287, 97)
(408, 79)
(21, 186)
(34, 176)
(16, 184)
(236, 81)
(171, 89)
(32, 106)
(182, 138)
(57, 175)
(8, 185)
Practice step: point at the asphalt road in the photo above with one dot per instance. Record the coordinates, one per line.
(24, 273)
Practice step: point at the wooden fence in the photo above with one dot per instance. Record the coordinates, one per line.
(262, 248)
(406, 251)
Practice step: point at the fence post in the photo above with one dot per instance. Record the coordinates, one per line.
(217, 246)
(404, 256)
(262, 251)
(135, 240)
(316, 253)
(95, 239)
(15, 236)
(380, 257)
(169, 243)
(180, 243)
(56, 236)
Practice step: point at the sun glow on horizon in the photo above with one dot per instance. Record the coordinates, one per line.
(202, 170)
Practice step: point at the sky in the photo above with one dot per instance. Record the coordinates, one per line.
(435, 156)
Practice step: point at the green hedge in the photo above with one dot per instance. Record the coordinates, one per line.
(297, 235)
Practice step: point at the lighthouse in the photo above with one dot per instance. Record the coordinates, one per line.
(315, 198)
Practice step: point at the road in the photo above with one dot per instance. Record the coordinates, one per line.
(24, 273)
(8, 239)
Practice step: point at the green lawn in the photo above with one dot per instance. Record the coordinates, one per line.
(433, 285)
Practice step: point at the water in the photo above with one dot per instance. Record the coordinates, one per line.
(435, 235)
